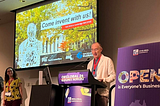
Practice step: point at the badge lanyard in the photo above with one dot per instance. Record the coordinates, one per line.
(9, 82)
(95, 65)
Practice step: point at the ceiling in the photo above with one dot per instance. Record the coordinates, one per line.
(8, 5)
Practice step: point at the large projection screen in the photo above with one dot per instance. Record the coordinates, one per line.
(58, 32)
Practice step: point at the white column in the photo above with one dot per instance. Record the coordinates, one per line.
(40, 77)
(45, 47)
(56, 45)
(52, 47)
(48, 46)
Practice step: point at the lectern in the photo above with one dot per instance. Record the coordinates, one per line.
(82, 78)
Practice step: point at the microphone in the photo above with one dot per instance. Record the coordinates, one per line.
(79, 64)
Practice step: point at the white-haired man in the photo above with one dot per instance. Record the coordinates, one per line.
(102, 69)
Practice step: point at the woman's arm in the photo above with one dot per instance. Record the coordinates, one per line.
(20, 90)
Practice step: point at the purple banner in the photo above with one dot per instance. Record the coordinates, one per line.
(77, 96)
(138, 75)
(73, 77)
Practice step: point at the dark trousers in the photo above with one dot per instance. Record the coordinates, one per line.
(13, 103)
(101, 100)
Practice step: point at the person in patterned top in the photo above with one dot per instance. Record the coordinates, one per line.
(12, 88)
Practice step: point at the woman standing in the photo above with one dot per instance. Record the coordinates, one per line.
(12, 88)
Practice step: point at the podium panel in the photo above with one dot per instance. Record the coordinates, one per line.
(79, 78)
(77, 96)
(46, 95)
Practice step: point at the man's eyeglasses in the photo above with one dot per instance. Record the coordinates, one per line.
(94, 49)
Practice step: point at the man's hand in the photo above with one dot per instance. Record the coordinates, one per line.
(100, 80)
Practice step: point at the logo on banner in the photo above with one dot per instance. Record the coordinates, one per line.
(137, 51)
(69, 57)
(79, 55)
(69, 100)
(85, 91)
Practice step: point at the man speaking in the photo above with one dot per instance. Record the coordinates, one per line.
(102, 69)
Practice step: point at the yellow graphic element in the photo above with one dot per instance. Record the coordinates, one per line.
(85, 91)
(67, 92)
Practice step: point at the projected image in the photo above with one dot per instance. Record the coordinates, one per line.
(55, 33)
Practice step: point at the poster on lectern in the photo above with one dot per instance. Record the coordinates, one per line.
(76, 77)
(77, 96)
(138, 75)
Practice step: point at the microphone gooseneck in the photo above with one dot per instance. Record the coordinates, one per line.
(79, 64)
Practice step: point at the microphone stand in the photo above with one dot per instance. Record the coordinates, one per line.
(79, 64)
